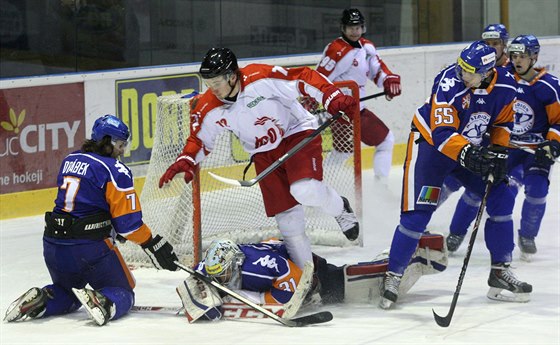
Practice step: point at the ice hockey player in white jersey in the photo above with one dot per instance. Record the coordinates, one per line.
(260, 105)
(265, 274)
(353, 57)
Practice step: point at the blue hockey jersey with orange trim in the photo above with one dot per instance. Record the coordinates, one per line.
(537, 110)
(455, 115)
(267, 269)
(89, 183)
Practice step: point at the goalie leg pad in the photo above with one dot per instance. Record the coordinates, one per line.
(199, 300)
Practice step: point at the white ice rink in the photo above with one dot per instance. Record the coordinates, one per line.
(477, 319)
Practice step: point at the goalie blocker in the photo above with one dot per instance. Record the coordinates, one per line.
(361, 282)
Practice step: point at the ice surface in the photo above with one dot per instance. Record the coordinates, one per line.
(477, 319)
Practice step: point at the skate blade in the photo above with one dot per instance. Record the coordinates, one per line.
(95, 313)
(14, 312)
(517, 297)
(385, 303)
(526, 257)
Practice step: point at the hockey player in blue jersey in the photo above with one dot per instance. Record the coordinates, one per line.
(96, 201)
(469, 99)
(265, 274)
(537, 126)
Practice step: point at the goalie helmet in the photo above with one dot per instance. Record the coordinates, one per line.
(217, 62)
(109, 125)
(222, 260)
(477, 57)
(352, 16)
(525, 44)
(496, 31)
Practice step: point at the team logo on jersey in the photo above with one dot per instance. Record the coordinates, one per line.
(524, 117)
(520, 90)
(476, 127)
(466, 101)
(480, 101)
(267, 261)
(429, 195)
(122, 168)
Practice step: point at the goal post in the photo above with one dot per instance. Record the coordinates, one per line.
(191, 215)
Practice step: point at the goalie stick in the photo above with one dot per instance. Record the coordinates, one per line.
(445, 321)
(310, 319)
(281, 160)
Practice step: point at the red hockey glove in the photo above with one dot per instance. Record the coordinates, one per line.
(184, 164)
(335, 101)
(392, 86)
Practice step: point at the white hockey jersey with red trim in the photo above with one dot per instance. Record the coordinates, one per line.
(342, 61)
(265, 111)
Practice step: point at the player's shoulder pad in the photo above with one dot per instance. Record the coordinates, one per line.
(205, 102)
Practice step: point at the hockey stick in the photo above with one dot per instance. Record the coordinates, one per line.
(281, 160)
(530, 150)
(445, 321)
(311, 319)
(230, 310)
(372, 96)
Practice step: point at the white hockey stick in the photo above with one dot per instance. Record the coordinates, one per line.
(229, 310)
(320, 317)
(281, 160)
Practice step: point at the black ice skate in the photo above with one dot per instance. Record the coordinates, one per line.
(348, 222)
(528, 247)
(390, 289)
(31, 304)
(502, 278)
(99, 307)
(454, 242)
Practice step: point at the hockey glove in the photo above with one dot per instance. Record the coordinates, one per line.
(476, 159)
(335, 101)
(184, 164)
(547, 152)
(499, 156)
(392, 86)
(161, 253)
(199, 300)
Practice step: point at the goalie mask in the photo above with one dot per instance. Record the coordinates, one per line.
(222, 261)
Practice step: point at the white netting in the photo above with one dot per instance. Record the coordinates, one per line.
(232, 212)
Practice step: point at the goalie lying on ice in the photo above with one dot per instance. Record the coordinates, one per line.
(264, 273)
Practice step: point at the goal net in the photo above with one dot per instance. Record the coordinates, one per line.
(191, 215)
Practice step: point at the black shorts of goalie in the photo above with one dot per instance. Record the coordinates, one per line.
(361, 283)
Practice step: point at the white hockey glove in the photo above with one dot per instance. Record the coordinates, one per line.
(199, 300)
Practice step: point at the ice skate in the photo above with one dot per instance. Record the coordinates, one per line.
(528, 248)
(348, 222)
(502, 278)
(31, 304)
(99, 307)
(390, 289)
(454, 242)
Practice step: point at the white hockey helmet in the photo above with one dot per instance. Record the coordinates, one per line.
(222, 259)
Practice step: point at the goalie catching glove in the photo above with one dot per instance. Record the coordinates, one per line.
(161, 253)
(335, 101)
(199, 300)
(184, 164)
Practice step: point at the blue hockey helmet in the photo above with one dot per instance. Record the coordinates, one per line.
(477, 57)
(222, 260)
(109, 125)
(525, 44)
(217, 62)
(495, 31)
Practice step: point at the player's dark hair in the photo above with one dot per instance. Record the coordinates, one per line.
(104, 147)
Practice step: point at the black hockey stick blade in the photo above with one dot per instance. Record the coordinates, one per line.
(372, 96)
(281, 160)
(312, 319)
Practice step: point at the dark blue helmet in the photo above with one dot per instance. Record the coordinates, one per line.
(477, 57)
(496, 31)
(109, 125)
(525, 44)
(218, 61)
